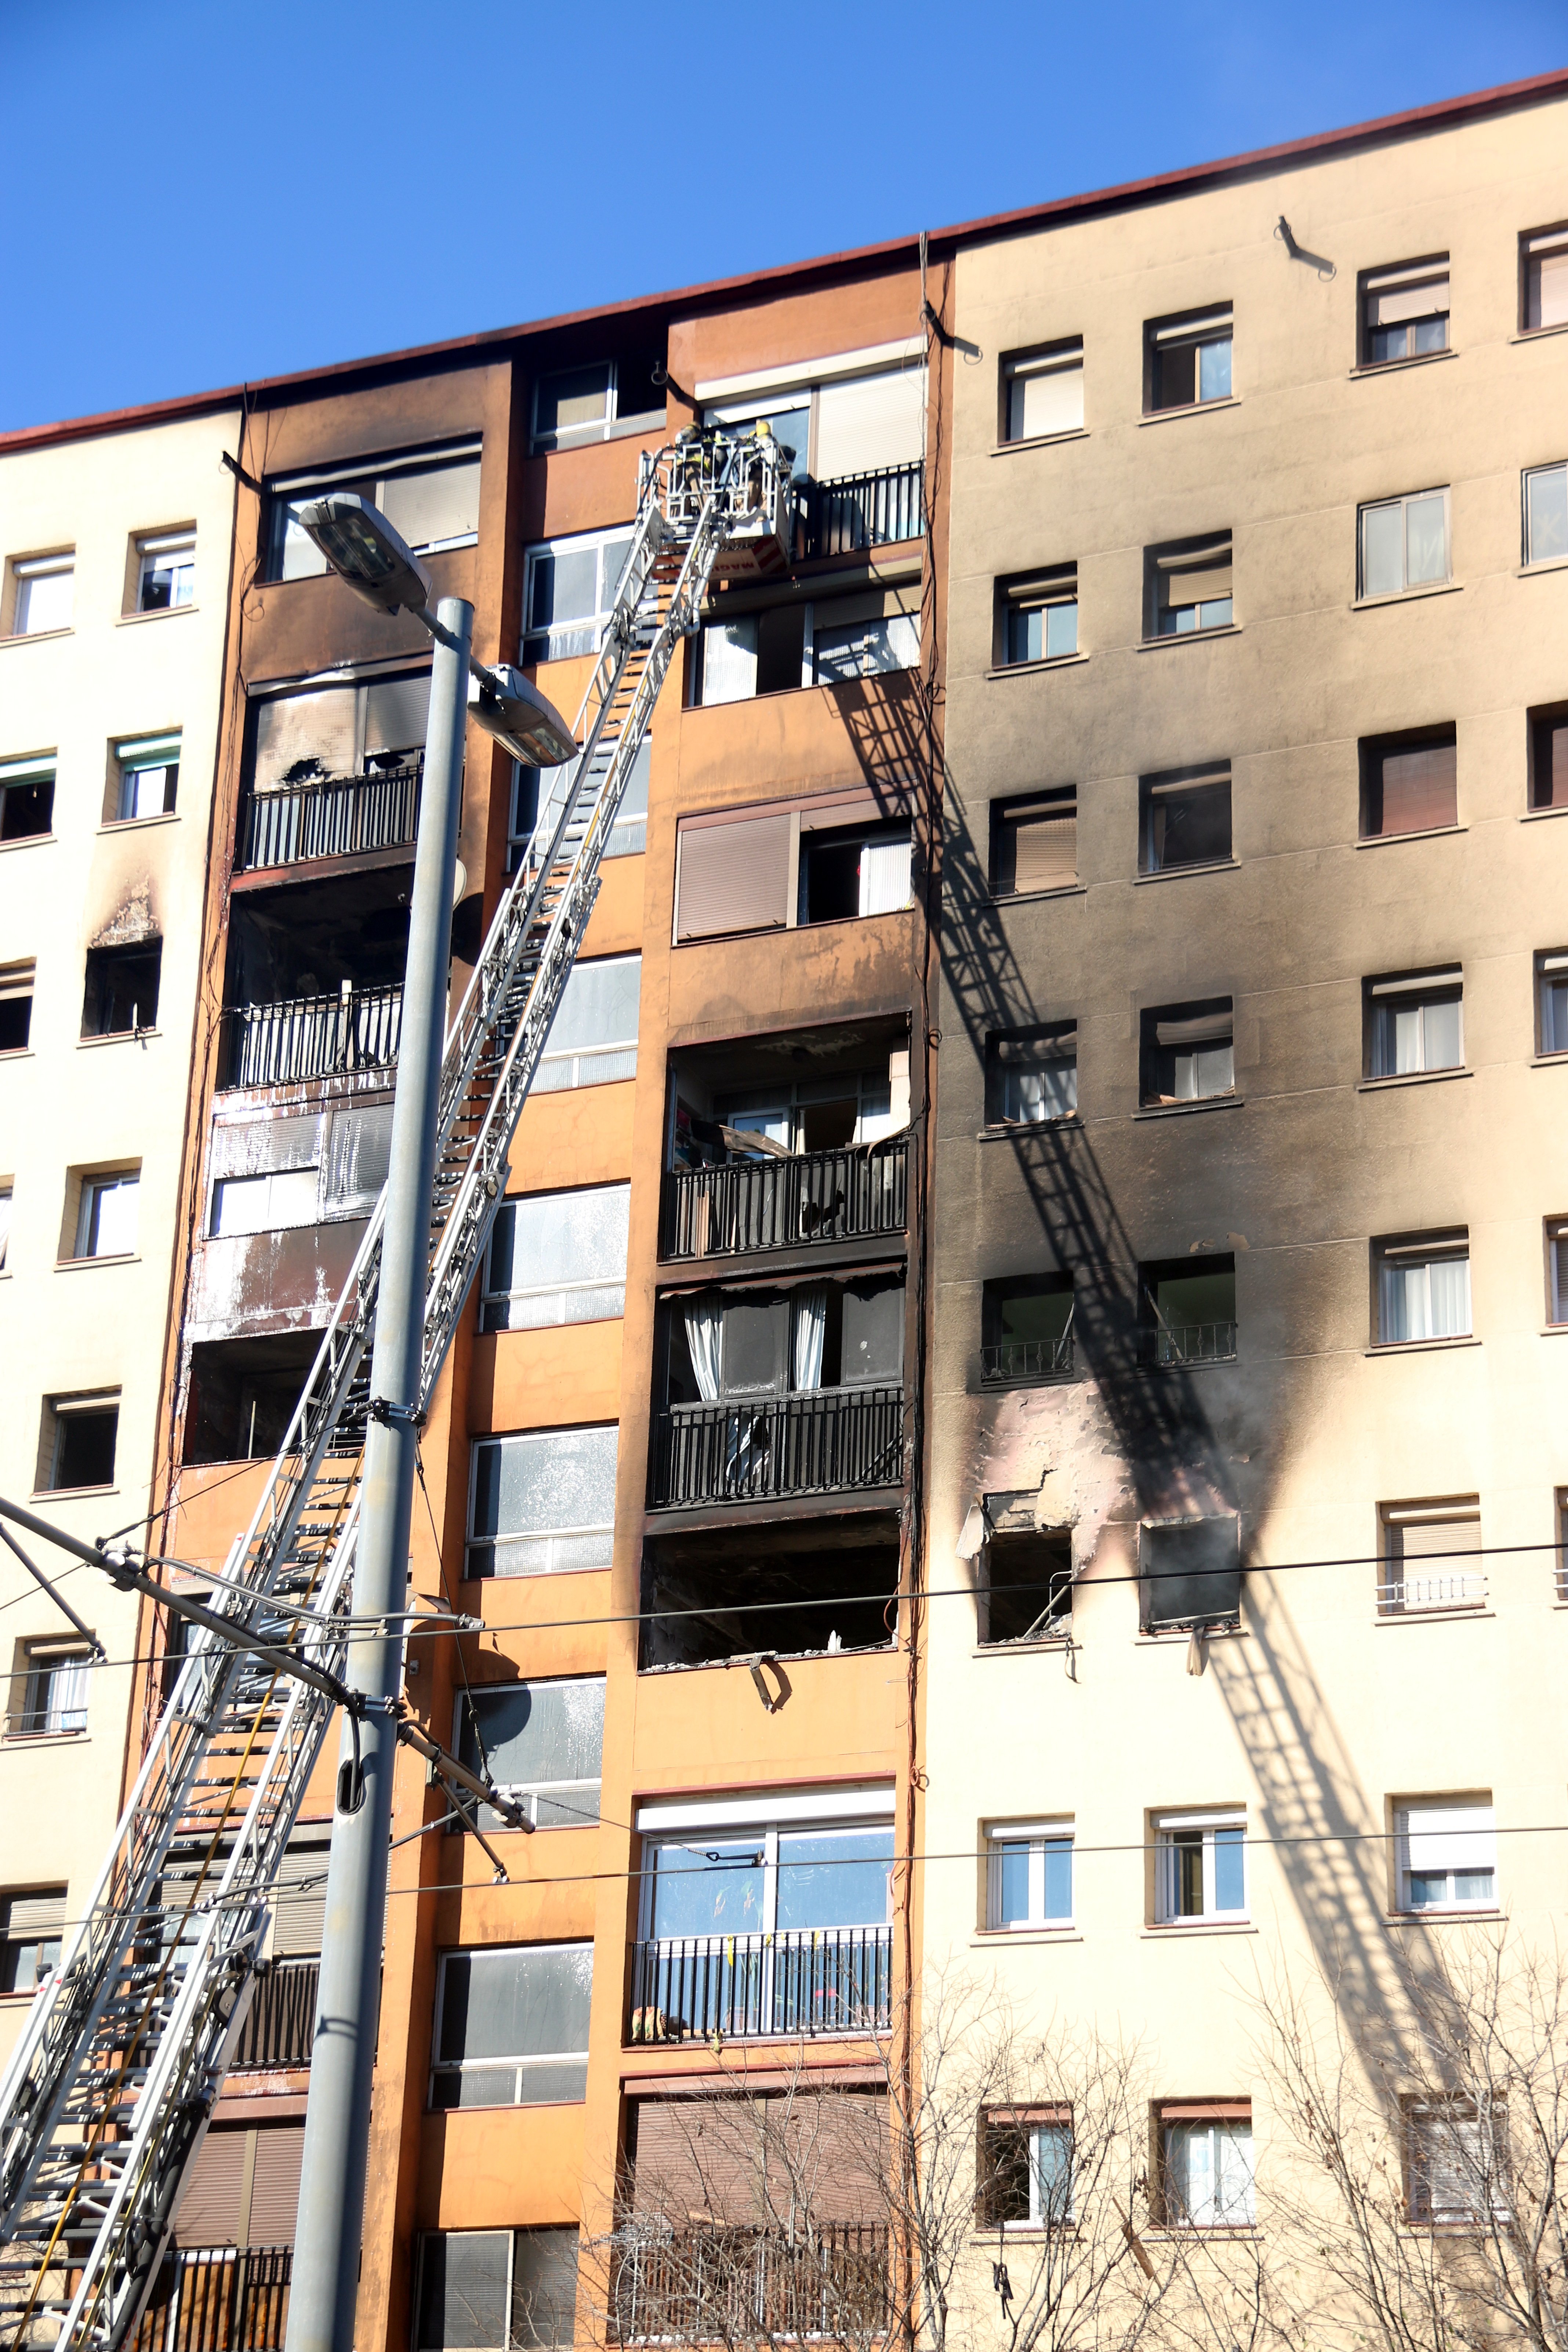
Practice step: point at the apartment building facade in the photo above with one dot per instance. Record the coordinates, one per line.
(669, 1467)
(116, 553)
(1248, 1395)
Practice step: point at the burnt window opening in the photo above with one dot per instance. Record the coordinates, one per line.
(1190, 1574)
(1187, 1052)
(17, 983)
(313, 940)
(1186, 821)
(26, 800)
(243, 1393)
(121, 993)
(1025, 1593)
(811, 1588)
(1189, 1310)
(740, 1345)
(1026, 1330)
(78, 1440)
(1409, 783)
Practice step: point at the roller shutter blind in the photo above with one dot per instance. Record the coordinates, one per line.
(397, 710)
(209, 2209)
(275, 2185)
(869, 423)
(733, 878)
(705, 2155)
(300, 1905)
(36, 1917)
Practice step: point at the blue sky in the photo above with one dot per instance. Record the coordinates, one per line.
(224, 192)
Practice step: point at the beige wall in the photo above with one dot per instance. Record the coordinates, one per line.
(66, 1104)
(1317, 1713)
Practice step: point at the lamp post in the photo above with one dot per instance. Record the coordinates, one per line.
(362, 547)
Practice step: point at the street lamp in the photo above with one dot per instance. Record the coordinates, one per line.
(362, 548)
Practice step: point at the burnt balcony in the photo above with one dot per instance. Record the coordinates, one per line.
(856, 512)
(785, 1201)
(218, 2299)
(823, 1442)
(1193, 1343)
(312, 1037)
(279, 2024)
(825, 1586)
(332, 817)
(805, 1980)
(742, 2284)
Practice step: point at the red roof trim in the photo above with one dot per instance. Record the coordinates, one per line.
(856, 259)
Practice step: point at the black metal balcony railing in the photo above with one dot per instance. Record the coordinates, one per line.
(738, 2285)
(858, 510)
(805, 1981)
(1011, 1363)
(312, 1037)
(218, 2299)
(334, 816)
(279, 2024)
(815, 1443)
(768, 1204)
(1193, 1343)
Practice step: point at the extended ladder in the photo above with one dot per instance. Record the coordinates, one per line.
(107, 2093)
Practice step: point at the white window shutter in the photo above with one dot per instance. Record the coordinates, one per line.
(871, 423)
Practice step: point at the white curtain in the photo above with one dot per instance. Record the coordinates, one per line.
(1450, 1279)
(705, 1339)
(729, 661)
(810, 1332)
(884, 877)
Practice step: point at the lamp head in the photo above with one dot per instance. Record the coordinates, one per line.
(361, 547)
(519, 717)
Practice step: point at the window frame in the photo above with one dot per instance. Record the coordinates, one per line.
(1373, 751)
(146, 549)
(528, 1793)
(512, 2340)
(369, 474)
(1044, 593)
(144, 755)
(1399, 1574)
(21, 570)
(1175, 2116)
(58, 1412)
(105, 960)
(1156, 792)
(1387, 278)
(1529, 560)
(1031, 2125)
(612, 427)
(42, 1664)
(1195, 1014)
(1208, 1825)
(1191, 558)
(1550, 973)
(19, 985)
(1445, 1246)
(1197, 330)
(1042, 1840)
(603, 1288)
(1421, 991)
(475, 1543)
(1063, 1037)
(37, 774)
(604, 1050)
(520, 2062)
(1550, 239)
(1062, 357)
(94, 1183)
(1055, 803)
(1403, 501)
(761, 1819)
(1401, 1809)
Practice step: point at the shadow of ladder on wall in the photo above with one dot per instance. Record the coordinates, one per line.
(107, 2094)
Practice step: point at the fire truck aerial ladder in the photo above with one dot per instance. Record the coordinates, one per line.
(106, 2098)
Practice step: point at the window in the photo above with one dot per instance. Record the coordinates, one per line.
(1409, 783)
(1029, 1875)
(1188, 1052)
(1404, 311)
(771, 868)
(577, 405)
(106, 1216)
(1543, 257)
(122, 994)
(823, 643)
(543, 1743)
(1036, 618)
(1185, 820)
(1026, 1329)
(166, 571)
(1191, 1307)
(827, 1114)
(339, 731)
(511, 2026)
(1189, 359)
(497, 2290)
(557, 1257)
(1455, 2176)
(54, 1689)
(78, 1440)
(274, 1202)
(32, 1926)
(1552, 1002)
(1546, 514)
(1024, 1581)
(430, 497)
(1557, 1270)
(543, 1503)
(1404, 543)
(15, 1006)
(569, 592)
(1189, 588)
(1205, 2164)
(757, 1342)
(1416, 1023)
(1549, 758)
(5, 1208)
(1561, 1506)
(593, 1036)
(1042, 393)
(42, 589)
(1446, 1854)
(532, 788)
(1190, 1574)
(1427, 1554)
(27, 798)
(1033, 843)
(1031, 1076)
(1423, 1288)
(145, 779)
(858, 413)
(789, 1876)
(1200, 1866)
(1025, 2169)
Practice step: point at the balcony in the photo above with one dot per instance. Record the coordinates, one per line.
(798, 1981)
(757, 1205)
(1193, 1343)
(820, 1441)
(312, 1037)
(279, 2025)
(1020, 1363)
(857, 511)
(733, 2284)
(218, 2299)
(332, 817)
(1466, 1590)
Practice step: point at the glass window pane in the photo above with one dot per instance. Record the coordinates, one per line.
(1442, 1040)
(1187, 1858)
(1546, 515)
(835, 1878)
(538, 1731)
(1061, 630)
(1012, 1882)
(535, 1488)
(463, 2292)
(1213, 371)
(576, 398)
(1427, 540)
(1450, 1292)
(1382, 551)
(1058, 1878)
(523, 2002)
(1025, 637)
(1052, 2156)
(730, 661)
(43, 602)
(544, 2287)
(1229, 1870)
(707, 1888)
